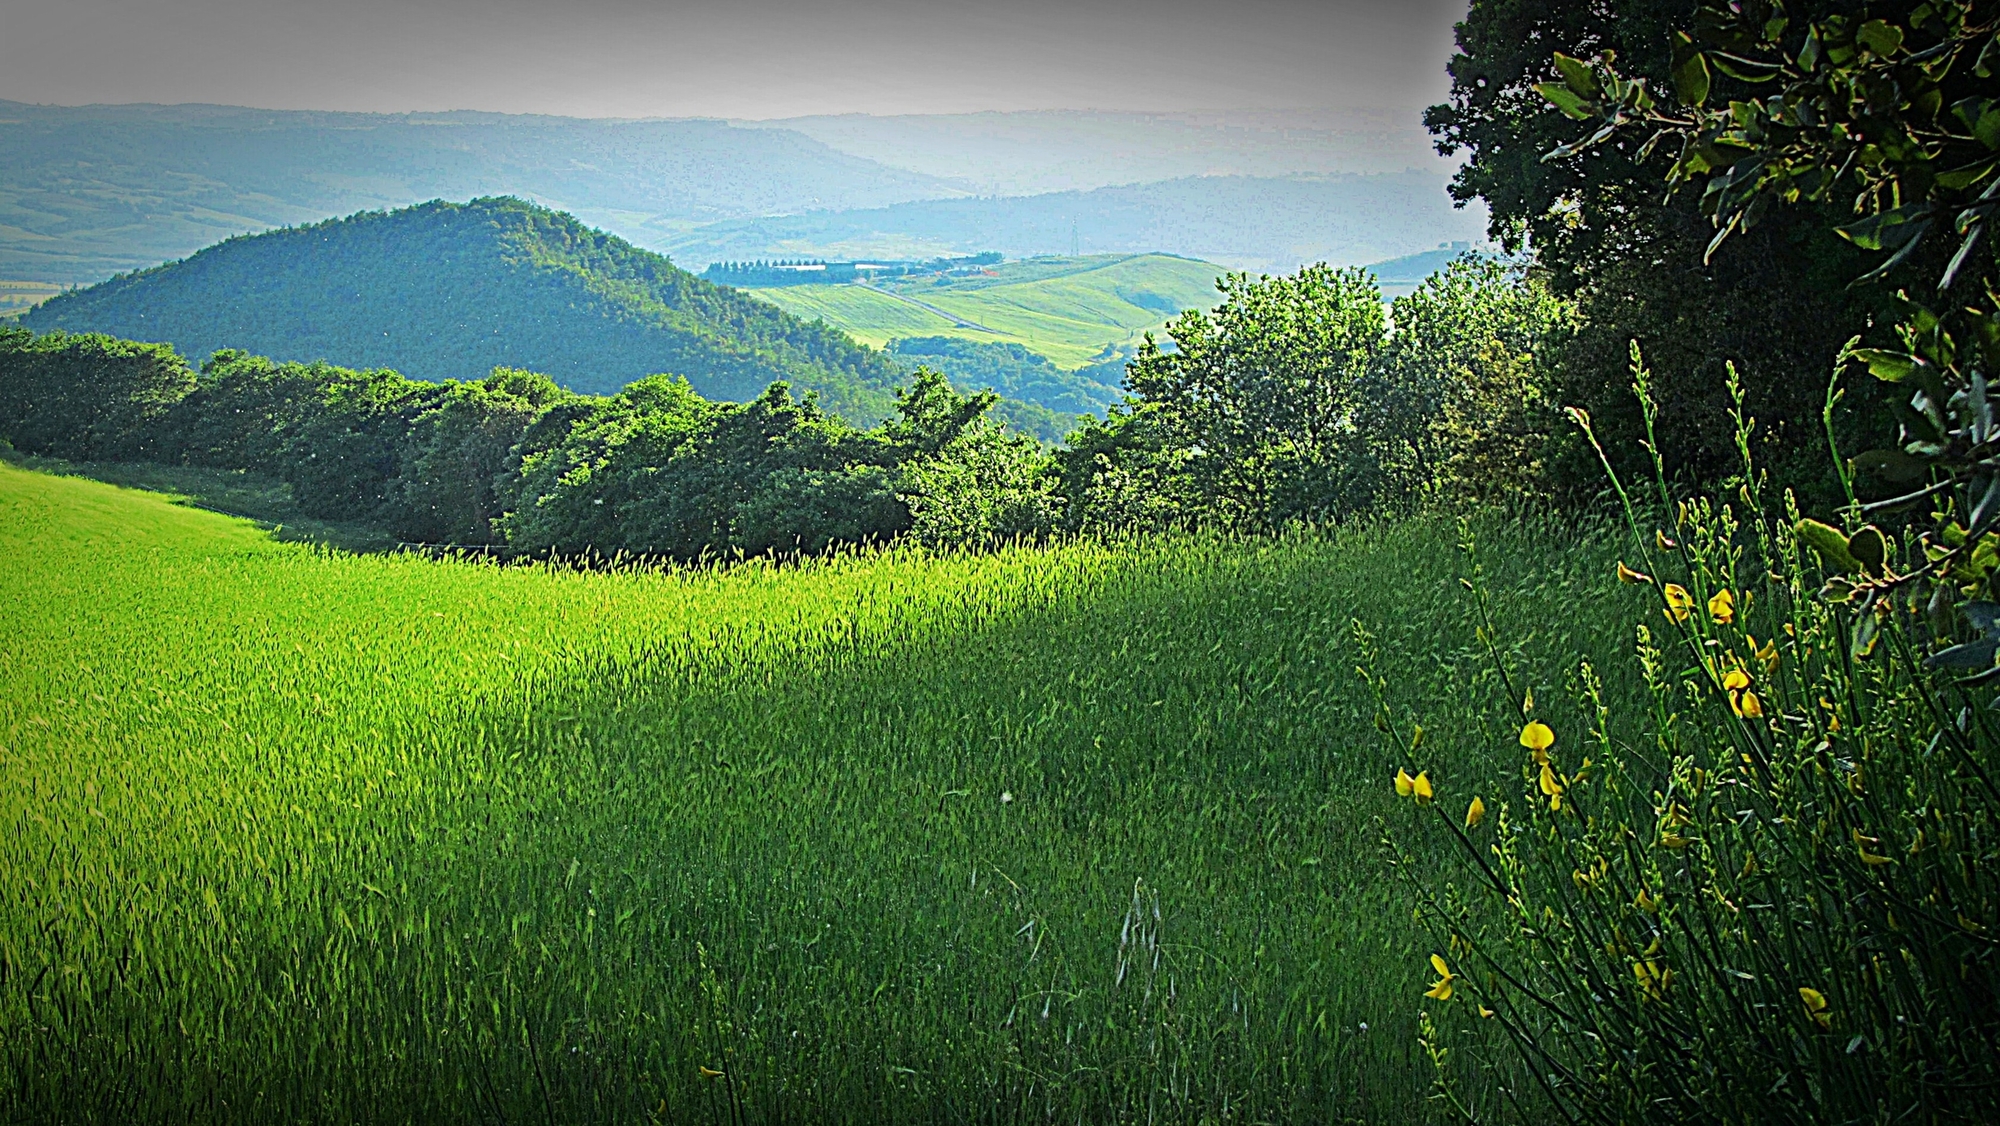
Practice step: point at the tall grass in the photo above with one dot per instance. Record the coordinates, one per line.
(1074, 834)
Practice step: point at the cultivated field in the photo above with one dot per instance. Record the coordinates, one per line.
(17, 297)
(1067, 309)
(1081, 834)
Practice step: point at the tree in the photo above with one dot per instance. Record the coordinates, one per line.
(1457, 404)
(1604, 230)
(1260, 396)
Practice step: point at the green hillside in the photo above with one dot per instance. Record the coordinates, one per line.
(1068, 309)
(450, 291)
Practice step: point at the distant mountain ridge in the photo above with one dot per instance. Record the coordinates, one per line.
(1262, 224)
(90, 191)
(1035, 151)
(450, 291)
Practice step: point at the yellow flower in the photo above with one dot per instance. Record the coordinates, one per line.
(1722, 607)
(1652, 978)
(1768, 654)
(1538, 738)
(1405, 785)
(1630, 577)
(1474, 812)
(1552, 787)
(1861, 844)
(1736, 680)
(1661, 541)
(709, 1072)
(1673, 840)
(1485, 1012)
(1646, 902)
(1746, 704)
(1421, 788)
(1440, 989)
(1679, 601)
(1815, 1003)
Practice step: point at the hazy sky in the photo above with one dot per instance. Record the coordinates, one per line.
(748, 58)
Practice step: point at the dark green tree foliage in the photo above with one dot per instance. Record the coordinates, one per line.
(1457, 401)
(1603, 227)
(659, 470)
(86, 396)
(1010, 369)
(1292, 401)
(444, 290)
(1261, 396)
(457, 451)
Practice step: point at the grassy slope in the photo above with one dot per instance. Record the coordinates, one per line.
(1067, 309)
(870, 317)
(337, 838)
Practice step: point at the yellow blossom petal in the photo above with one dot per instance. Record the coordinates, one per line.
(1474, 812)
(1747, 705)
(1679, 601)
(1722, 607)
(1405, 785)
(1421, 788)
(1736, 680)
(1439, 991)
(709, 1072)
(1537, 737)
(1438, 964)
(1630, 577)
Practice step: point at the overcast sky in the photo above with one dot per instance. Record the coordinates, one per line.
(747, 58)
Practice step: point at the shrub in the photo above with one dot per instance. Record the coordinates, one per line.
(1773, 898)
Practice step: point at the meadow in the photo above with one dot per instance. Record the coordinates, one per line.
(1080, 833)
(1068, 309)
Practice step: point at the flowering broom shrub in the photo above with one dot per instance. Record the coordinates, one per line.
(1774, 897)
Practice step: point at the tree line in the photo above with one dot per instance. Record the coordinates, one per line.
(1291, 402)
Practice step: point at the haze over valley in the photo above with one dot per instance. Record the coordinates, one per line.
(87, 192)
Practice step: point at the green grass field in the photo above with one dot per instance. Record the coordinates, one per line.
(1076, 834)
(1067, 309)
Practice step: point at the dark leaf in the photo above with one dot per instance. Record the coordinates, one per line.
(1894, 466)
(1887, 366)
(1564, 99)
(1881, 38)
(1577, 75)
(1969, 656)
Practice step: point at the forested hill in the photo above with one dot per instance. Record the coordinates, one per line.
(449, 291)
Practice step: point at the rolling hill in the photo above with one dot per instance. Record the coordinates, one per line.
(445, 290)
(1072, 310)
